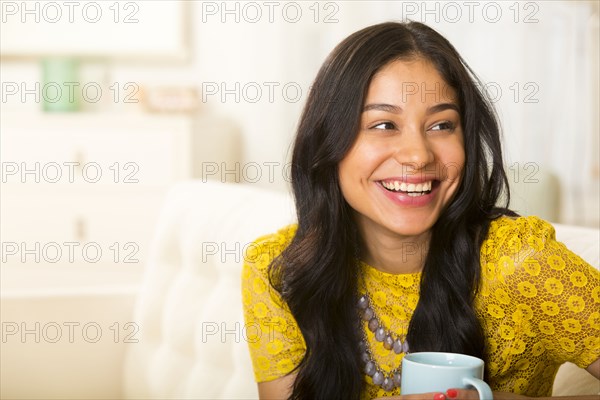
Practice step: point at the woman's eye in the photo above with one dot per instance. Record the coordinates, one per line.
(384, 126)
(443, 126)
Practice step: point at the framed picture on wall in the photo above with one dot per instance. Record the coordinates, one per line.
(106, 28)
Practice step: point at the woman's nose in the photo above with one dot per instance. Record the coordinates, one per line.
(413, 149)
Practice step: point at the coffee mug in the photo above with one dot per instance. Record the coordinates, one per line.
(437, 372)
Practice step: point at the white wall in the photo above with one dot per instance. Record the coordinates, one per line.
(549, 50)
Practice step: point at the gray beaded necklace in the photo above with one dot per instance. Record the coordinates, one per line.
(387, 381)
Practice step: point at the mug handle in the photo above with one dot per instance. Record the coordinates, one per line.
(485, 393)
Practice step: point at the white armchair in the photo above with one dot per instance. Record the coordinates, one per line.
(189, 310)
(190, 342)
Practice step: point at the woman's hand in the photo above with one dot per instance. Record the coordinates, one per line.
(456, 394)
(465, 394)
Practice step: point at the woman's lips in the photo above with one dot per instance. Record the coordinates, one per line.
(409, 194)
(401, 186)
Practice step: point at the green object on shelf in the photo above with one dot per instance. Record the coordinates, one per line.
(60, 89)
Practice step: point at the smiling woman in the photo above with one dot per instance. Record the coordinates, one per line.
(402, 244)
(395, 175)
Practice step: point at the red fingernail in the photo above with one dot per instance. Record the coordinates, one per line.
(439, 396)
(452, 393)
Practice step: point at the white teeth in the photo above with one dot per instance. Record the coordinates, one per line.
(411, 188)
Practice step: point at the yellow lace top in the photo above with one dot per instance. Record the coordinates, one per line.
(539, 305)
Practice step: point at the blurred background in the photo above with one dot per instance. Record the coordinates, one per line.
(105, 105)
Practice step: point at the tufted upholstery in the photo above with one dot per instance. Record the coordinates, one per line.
(189, 310)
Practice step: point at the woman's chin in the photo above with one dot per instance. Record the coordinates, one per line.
(408, 229)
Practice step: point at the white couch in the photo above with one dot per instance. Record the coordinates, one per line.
(190, 337)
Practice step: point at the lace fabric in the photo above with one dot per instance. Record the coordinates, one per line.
(539, 305)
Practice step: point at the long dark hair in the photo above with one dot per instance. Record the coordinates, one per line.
(317, 273)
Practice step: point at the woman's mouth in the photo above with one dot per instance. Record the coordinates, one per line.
(410, 189)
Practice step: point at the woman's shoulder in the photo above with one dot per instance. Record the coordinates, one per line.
(256, 283)
(512, 231)
(265, 248)
(283, 235)
(526, 248)
(513, 240)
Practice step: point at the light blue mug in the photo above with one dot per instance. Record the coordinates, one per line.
(438, 372)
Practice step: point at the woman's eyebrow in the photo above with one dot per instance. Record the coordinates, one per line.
(383, 107)
(398, 110)
(442, 107)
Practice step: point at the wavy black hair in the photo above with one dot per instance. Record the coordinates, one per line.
(317, 274)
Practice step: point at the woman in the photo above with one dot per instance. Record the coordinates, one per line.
(399, 246)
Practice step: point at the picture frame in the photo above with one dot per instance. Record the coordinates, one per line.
(95, 29)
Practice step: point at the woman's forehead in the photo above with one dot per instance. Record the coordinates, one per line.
(409, 81)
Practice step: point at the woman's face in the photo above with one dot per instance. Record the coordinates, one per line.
(407, 160)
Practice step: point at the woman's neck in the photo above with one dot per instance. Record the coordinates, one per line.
(392, 253)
